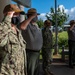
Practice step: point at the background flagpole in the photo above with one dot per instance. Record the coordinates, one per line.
(56, 30)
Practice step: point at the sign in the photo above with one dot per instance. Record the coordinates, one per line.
(26, 3)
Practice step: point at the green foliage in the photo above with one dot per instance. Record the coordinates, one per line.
(63, 39)
(62, 17)
(40, 23)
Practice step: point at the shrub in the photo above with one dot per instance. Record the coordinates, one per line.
(63, 39)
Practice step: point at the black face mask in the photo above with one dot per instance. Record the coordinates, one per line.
(15, 20)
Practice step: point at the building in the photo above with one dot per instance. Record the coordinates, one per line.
(21, 3)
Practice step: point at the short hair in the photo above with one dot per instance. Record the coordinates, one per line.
(72, 22)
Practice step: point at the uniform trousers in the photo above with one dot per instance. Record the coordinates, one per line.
(32, 62)
(47, 57)
(71, 52)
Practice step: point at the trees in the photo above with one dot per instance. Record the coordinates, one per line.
(40, 23)
(62, 17)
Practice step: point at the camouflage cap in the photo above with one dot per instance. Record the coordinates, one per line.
(12, 7)
(32, 10)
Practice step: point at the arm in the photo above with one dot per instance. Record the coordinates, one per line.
(71, 27)
(25, 23)
(5, 28)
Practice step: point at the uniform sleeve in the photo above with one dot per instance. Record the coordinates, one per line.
(5, 28)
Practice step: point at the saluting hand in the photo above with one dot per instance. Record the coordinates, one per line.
(10, 13)
(33, 15)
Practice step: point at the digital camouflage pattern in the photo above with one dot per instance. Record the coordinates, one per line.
(47, 47)
(12, 50)
(47, 37)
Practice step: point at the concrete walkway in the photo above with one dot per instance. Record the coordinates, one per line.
(59, 68)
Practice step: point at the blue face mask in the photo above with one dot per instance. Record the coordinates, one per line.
(35, 19)
(15, 20)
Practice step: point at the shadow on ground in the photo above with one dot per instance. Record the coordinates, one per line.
(59, 68)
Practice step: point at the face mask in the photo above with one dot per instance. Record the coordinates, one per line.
(35, 19)
(15, 20)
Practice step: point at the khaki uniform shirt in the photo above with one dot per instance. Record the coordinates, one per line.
(12, 50)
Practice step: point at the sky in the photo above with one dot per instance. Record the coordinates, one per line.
(43, 7)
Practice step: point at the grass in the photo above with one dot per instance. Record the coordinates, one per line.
(62, 40)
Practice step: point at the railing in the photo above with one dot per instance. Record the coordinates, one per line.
(64, 53)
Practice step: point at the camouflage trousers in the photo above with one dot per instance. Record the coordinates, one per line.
(46, 57)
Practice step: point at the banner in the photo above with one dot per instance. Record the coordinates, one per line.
(26, 3)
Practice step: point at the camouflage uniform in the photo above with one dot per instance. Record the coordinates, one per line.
(12, 50)
(47, 47)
